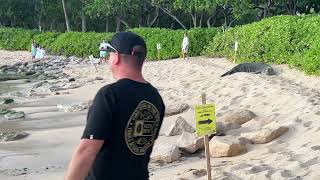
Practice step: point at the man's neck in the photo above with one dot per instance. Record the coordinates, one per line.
(133, 76)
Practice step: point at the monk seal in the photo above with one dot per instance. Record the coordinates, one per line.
(251, 67)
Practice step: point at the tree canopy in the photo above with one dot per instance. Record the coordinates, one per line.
(114, 15)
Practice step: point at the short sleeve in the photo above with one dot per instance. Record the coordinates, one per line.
(99, 119)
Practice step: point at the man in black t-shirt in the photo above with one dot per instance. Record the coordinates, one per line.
(123, 121)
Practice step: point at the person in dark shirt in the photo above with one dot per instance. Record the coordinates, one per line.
(123, 121)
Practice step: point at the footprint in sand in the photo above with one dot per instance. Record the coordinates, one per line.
(258, 169)
(224, 108)
(287, 174)
(258, 95)
(244, 89)
(230, 176)
(240, 167)
(275, 110)
(307, 124)
(310, 162)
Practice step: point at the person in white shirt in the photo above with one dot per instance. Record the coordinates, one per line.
(103, 51)
(40, 53)
(185, 46)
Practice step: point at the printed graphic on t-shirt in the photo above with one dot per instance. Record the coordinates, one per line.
(142, 128)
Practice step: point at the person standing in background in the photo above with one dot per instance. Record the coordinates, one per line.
(33, 49)
(103, 51)
(185, 46)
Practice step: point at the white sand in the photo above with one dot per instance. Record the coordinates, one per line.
(289, 98)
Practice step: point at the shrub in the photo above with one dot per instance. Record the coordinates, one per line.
(79, 44)
(289, 40)
(171, 40)
(16, 39)
(46, 39)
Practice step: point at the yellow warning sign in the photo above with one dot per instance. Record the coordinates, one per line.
(205, 119)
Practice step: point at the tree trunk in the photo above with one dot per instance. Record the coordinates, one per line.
(124, 22)
(194, 20)
(107, 24)
(39, 22)
(200, 22)
(51, 25)
(83, 19)
(118, 24)
(168, 12)
(213, 16)
(66, 16)
(155, 17)
(208, 21)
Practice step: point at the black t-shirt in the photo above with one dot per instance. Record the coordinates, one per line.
(128, 116)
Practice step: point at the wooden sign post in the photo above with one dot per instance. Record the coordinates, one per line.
(236, 46)
(158, 49)
(205, 125)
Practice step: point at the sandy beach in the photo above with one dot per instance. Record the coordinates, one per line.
(288, 99)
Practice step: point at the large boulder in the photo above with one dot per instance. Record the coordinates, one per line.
(178, 127)
(189, 142)
(226, 146)
(165, 153)
(266, 134)
(176, 109)
(237, 116)
(224, 127)
(255, 124)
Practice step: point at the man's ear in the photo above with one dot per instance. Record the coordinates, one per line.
(117, 60)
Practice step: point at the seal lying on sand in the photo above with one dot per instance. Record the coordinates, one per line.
(252, 67)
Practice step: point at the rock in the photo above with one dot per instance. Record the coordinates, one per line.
(173, 110)
(255, 124)
(4, 111)
(226, 146)
(74, 108)
(25, 64)
(53, 71)
(4, 67)
(199, 172)
(165, 153)
(40, 84)
(223, 127)
(12, 136)
(237, 117)
(29, 73)
(10, 114)
(14, 115)
(6, 101)
(71, 79)
(42, 77)
(98, 78)
(71, 86)
(178, 127)
(17, 64)
(266, 134)
(189, 142)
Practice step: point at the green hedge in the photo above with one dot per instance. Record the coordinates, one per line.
(84, 44)
(289, 40)
(79, 44)
(171, 40)
(16, 39)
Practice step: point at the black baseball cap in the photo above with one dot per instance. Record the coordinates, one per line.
(127, 43)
